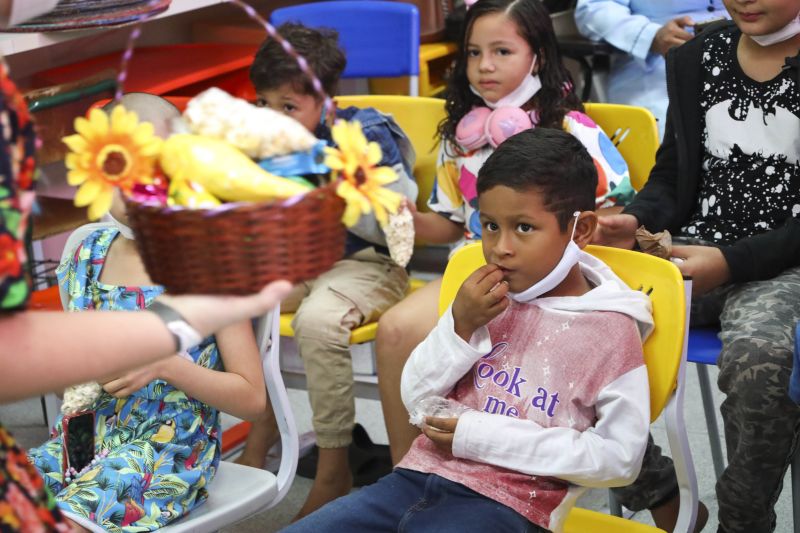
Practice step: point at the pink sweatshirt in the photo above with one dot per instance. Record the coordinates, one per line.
(560, 397)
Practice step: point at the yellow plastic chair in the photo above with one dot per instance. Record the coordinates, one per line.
(418, 117)
(664, 353)
(633, 129)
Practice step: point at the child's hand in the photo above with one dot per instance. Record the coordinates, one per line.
(441, 431)
(705, 265)
(130, 382)
(616, 230)
(410, 205)
(481, 298)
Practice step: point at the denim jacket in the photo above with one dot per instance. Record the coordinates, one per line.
(397, 153)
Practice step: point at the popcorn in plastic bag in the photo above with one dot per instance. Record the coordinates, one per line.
(436, 406)
(259, 132)
(400, 236)
(80, 397)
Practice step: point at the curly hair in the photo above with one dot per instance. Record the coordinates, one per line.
(557, 95)
(273, 67)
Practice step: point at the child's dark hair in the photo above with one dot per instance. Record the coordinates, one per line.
(272, 67)
(550, 161)
(557, 95)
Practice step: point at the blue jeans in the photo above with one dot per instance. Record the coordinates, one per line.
(407, 501)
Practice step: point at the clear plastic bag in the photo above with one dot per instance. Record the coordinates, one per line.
(436, 406)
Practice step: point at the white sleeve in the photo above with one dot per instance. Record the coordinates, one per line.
(443, 358)
(613, 22)
(23, 10)
(609, 454)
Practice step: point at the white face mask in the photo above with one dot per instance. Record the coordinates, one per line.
(568, 260)
(22, 10)
(783, 34)
(124, 230)
(518, 97)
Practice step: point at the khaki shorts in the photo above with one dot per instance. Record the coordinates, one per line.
(355, 291)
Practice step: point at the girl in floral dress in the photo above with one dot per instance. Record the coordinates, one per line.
(157, 446)
(157, 434)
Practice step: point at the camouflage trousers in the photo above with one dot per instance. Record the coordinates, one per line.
(761, 422)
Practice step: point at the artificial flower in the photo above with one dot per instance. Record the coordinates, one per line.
(360, 181)
(108, 152)
(9, 256)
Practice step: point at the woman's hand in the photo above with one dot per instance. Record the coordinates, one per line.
(704, 264)
(481, 298)
(441, 431)
(209, 314)
(671, 34)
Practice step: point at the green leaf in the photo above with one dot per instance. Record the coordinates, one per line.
(17, 292)
(86, 495)
(163, 492)
(12, 218)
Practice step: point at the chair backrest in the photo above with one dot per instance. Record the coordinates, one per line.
(635, 133)
(419, 117)
(659, 278)
(380, 38)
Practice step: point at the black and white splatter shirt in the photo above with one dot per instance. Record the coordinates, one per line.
(750, 180)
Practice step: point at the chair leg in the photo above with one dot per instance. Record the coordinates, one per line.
(614, 506)
(711, 419)
(796, 491)
(44, 411)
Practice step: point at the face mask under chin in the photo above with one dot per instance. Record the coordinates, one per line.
(520, 95)
(784, 34)
(552, 280)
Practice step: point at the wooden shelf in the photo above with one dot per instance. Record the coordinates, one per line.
(56, 216)
(15, 43)
(160, 69)
(434, 61)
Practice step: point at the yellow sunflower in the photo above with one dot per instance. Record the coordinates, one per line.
(361, 183)
(108, 152)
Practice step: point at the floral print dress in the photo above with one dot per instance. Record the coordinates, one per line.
(156, 450)
(25, 505)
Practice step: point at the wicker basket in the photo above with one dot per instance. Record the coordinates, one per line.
(238, 248)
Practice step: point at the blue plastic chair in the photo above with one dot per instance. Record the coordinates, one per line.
(380, 39)
(703, 349)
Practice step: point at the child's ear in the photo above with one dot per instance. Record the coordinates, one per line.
(539, 64)
(584, 228)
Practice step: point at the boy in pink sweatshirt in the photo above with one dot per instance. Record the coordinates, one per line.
(543, 345)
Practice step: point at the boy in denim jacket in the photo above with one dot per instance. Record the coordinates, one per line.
(358, 288)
